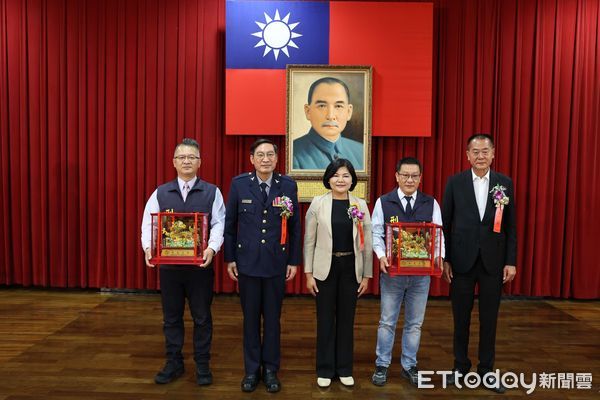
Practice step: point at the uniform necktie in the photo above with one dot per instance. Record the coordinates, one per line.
(408, 209)
(263, 188)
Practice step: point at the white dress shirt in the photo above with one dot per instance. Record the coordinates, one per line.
(379, 223)
(481, 187)
(217, 223)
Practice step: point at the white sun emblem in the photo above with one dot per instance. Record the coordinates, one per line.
(276, 34)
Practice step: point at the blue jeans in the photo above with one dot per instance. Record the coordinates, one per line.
(413, 290)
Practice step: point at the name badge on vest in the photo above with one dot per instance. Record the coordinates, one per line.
(246, 201)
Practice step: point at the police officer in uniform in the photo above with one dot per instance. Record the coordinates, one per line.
(259, 262)
(187, 193)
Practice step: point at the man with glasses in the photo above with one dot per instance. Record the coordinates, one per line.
(187, 193)
(404, 204)
(261, 258)
(328, 110)
(480, 224)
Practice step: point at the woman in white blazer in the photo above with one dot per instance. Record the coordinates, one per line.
(338, 263)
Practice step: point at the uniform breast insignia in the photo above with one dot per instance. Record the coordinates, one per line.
(246, 201)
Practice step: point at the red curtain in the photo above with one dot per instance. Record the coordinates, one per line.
(95, 94)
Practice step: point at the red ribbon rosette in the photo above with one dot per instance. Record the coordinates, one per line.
(287, 210)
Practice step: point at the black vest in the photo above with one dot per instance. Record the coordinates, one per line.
(422, 210)
(199, 199)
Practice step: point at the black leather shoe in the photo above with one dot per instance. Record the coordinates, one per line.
(203, 375)
(271, 381)
(455, 377)
(412, 374)
(249, 382)
(171, 371)
(493, 385)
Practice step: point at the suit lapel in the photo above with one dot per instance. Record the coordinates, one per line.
(489, 206)
(327, 205)
(470, 191)
(255, 189)
(354, 200)
(275, 188)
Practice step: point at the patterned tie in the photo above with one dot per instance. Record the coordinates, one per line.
(408, 209)
(263, 188)
(186, 190)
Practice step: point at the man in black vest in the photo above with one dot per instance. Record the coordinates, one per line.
(261, 259)
(187, 193)
(481, 248)
(405, 204)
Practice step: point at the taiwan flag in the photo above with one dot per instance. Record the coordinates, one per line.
(262, 37)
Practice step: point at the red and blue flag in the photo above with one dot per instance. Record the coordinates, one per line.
(262, 37)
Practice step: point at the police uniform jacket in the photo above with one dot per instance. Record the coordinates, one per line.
(253, 228)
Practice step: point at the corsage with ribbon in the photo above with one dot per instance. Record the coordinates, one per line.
(287, 210)
(500, 200)
(357, 216)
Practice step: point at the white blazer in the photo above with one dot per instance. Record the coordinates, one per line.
(318, 239)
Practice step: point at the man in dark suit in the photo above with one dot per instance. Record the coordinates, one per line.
(481, 248)
(261, 259)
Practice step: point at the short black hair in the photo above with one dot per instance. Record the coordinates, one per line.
(260, 141)
(480, 136)
(188, 142)
(333, 167)
(409, 161)
(330, 81)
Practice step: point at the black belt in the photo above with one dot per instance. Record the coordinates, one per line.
(342, 253)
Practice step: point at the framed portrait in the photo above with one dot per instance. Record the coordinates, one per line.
(328, 117)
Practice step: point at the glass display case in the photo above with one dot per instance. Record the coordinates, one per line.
(413, 248)
(179, 238)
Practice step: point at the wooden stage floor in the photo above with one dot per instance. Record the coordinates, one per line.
(86, 345)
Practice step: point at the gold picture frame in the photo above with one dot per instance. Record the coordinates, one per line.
(311, 126)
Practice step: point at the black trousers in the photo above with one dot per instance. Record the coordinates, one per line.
(462, 295)
(336, 304)
(195, 284)
(261, 297)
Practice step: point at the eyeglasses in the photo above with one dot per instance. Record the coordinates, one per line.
(476, 153)
(270, 155)
(404, 177)
(183, 158)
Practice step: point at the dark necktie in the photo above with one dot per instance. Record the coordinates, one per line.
(408, 209)
(263, 188)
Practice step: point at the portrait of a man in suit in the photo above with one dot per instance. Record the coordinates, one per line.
(328, 118)
(328, 109)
